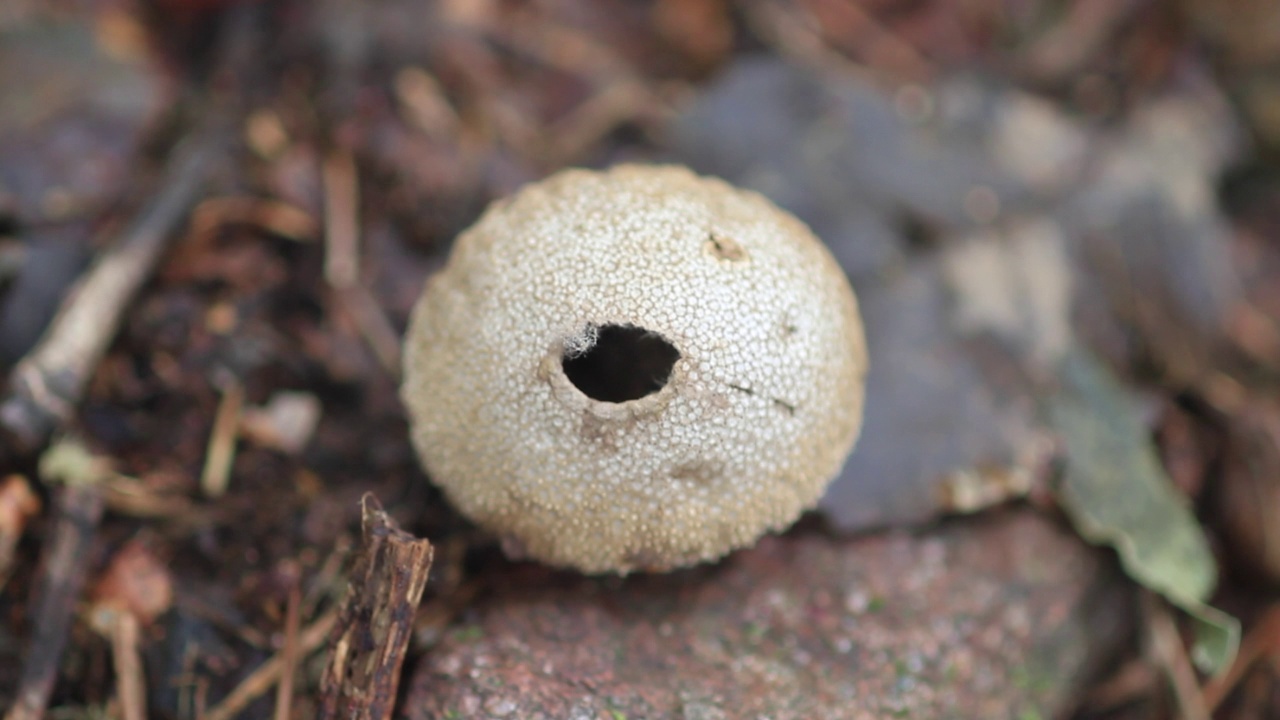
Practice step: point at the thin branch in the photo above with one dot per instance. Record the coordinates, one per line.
(222, 441)
(342, 226)
(270, 672)
(47, 384)
(289, 654)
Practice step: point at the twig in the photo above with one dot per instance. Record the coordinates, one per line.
(426, 104)
(131, 497)
(377, 620)
(1134, 680)
(883, 49)
(323, 583)
(1062, 51)
(342, 259)
(1262, 640)
(77, 510)
(562, 47)
(222, 441)
(289, 654)
(131, 687)
(273, 216)
(341, 227)
(1171, 657)
(786, 29)
(46, 385)
(131, 593)
(270, 672)
(599, 115)
(363, 311)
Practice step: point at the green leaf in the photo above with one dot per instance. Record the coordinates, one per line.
(1217, 637)
(1117, 494)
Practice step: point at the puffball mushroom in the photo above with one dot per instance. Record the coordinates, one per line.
(636, 369)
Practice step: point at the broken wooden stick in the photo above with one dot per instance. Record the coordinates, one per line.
(373, 630)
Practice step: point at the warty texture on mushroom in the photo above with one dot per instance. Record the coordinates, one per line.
(635, 369)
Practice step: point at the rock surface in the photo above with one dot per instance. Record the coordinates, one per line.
(1002, 615)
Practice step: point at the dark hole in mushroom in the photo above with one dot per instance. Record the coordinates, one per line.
(625, 363)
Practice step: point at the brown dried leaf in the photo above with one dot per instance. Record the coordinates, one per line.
(135, 582)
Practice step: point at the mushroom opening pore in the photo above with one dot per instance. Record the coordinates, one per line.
(617, 363)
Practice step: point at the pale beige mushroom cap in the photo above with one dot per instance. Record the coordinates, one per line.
(613, 270)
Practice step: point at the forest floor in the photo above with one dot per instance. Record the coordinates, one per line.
(1062, 221)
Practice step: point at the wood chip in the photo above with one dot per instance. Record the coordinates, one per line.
(377, 620)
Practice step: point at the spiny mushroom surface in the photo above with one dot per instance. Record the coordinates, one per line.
(636, 369)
